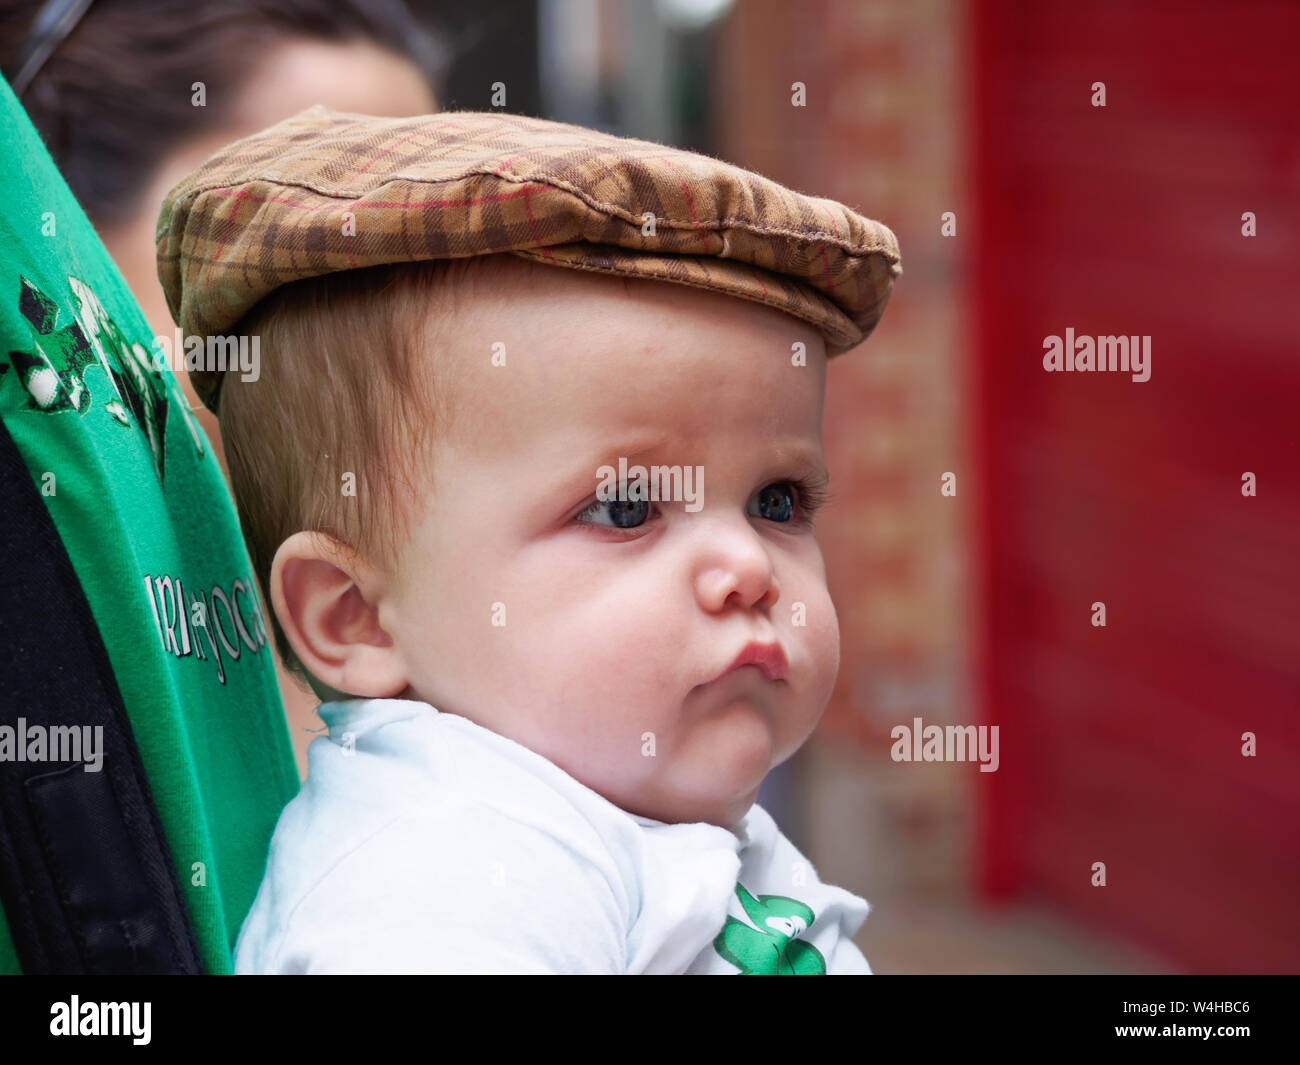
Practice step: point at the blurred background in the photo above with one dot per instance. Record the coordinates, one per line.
(1022, 209)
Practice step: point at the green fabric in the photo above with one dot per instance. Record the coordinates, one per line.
(142, 508)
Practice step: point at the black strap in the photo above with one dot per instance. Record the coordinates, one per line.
(86, 877)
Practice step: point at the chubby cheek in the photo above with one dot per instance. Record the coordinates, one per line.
(815, 631)
(827, 649)
(608, 667)
(452, 626)
(623, 647)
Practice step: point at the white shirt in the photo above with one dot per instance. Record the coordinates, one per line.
(424, 843)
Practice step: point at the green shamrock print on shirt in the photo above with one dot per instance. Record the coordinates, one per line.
(771, 948)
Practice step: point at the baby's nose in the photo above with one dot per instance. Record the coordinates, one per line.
(736, 570)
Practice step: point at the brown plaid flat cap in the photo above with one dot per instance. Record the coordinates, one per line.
(324, 191)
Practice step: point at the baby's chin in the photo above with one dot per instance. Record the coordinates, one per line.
(678, 808)
(713, 779)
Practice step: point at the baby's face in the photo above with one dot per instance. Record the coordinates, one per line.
(601, 634)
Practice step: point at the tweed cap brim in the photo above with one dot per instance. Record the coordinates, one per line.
(325, 191)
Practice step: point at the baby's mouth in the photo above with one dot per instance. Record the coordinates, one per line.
(768, 658)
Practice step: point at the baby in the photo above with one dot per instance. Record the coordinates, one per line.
(537, 526)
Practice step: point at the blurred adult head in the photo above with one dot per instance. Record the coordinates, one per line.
(115, 97)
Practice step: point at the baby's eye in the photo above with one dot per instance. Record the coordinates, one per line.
(776, 502)
(618, 513)
(792, 503)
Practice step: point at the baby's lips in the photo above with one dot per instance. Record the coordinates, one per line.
(768, 658)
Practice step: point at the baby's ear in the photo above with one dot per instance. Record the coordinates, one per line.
(327, 601)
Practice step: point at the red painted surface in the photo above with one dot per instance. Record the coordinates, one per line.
(1123, 744)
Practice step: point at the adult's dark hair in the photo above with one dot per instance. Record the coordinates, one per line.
(114, 98)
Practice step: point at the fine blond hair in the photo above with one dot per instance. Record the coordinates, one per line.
(336, 434)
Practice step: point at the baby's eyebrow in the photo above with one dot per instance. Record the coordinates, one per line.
(797, 460)
(582, 474)
(817, 477)
(635, 446)
(804, 461)
(638, 450)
